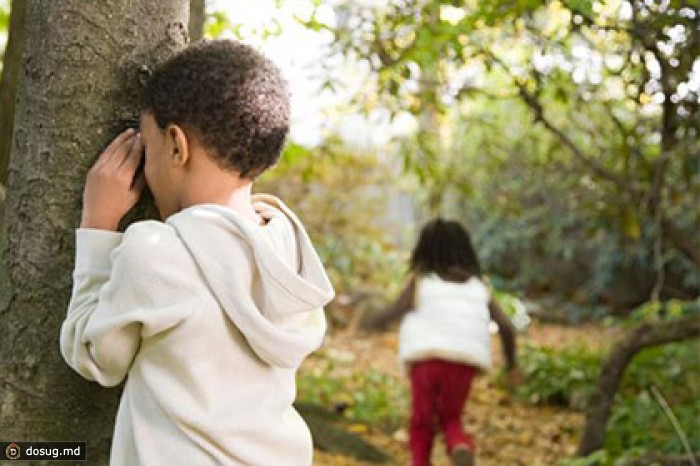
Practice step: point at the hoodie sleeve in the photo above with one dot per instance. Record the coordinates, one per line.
(125, 288)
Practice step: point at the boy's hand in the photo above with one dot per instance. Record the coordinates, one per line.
(112, 186)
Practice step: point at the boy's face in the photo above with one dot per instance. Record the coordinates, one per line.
(163, 172)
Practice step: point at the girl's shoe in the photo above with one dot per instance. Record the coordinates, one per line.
(462, 456)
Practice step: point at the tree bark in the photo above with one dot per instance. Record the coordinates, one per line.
(82, 71)
(644, 336)
(8, 84)
(197, 18)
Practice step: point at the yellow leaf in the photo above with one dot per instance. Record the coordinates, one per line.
(632, 227)
(357, 428)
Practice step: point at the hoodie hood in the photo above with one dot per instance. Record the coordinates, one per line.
(268, 278)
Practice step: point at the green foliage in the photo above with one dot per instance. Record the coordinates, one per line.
(594, 459)
(4, 25)
(655, 311)
(637, 420)
(562, 377)
(4, 18)
(637, 423)
(341, 196)
(369, 397)
(582, 7)
(539, 125)
(553, 160)
(216, 23)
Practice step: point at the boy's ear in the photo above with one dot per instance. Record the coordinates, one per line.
(179, 145)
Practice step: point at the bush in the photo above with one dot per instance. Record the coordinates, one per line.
(560, 377)
(368, 397)
(637, 423)
(637, 419)
(342, 198)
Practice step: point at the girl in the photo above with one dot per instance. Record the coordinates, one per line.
(444, 337)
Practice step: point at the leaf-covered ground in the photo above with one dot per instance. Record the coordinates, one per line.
(508, 431)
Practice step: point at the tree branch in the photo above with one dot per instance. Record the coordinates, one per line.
(601, 400)
(681, 241)
(532, 101)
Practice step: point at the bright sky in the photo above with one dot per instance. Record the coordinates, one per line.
(298, 51)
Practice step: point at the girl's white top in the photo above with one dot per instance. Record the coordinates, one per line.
(449, 321)
(208, 316)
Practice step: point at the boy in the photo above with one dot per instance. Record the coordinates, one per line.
(211, 311)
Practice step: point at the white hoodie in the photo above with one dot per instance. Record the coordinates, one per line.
(210, 316)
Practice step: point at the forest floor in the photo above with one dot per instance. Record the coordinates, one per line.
(508, 431)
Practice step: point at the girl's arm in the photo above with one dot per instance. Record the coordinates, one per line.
(397, 309)
(506, 333)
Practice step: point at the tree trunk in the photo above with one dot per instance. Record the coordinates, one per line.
(644, 336)
(8, 84)
(197, 18)
(430, 143)
(82, 70)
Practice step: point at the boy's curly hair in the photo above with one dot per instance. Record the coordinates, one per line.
(233, 98)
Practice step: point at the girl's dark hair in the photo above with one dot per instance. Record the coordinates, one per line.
(444, 248)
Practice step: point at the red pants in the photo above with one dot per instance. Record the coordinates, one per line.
(439, 391)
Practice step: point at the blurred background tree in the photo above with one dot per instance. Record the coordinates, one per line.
(564, 134)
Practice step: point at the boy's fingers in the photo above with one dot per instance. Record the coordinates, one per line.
(134, 155)
(116, 142)
(115, 157)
